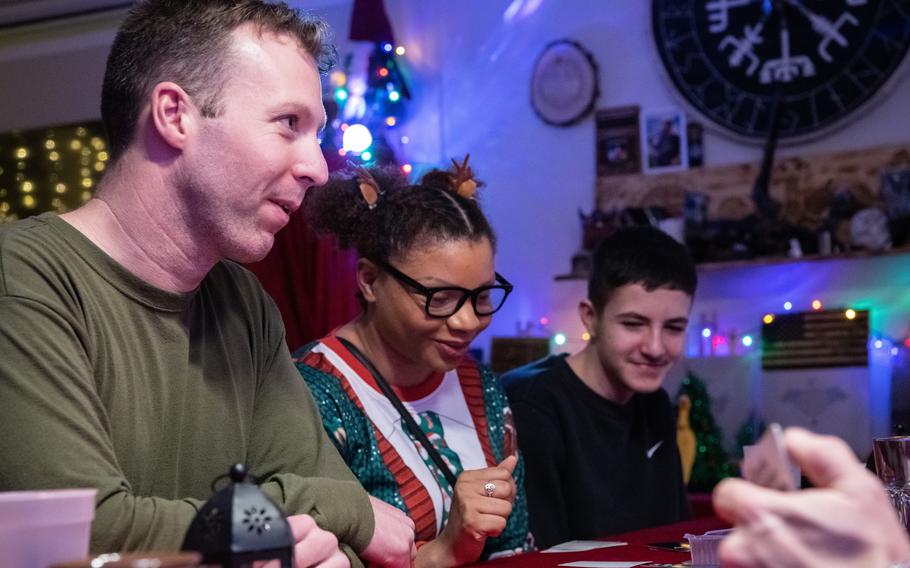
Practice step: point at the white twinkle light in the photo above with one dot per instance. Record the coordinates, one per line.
(356, 138)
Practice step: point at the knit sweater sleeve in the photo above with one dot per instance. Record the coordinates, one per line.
(349, 428)
(329, 492)
(57, 431)
(515, 537)
(334, 406)
(49, 399)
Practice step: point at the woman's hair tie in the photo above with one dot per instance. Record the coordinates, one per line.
(369, 189)
(463, 181)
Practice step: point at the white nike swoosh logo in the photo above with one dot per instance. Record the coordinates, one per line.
(653, 449)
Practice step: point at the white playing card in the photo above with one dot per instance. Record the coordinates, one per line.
(583, 545)
(767, 464)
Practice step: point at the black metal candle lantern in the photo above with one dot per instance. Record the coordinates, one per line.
(240, 525)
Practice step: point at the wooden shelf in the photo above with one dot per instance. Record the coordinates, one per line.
(798, 183)
(768, 261)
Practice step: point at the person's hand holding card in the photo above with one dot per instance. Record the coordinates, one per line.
(767, 463)
(845, 520)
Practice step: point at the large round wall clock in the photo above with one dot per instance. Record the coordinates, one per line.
(820, 59)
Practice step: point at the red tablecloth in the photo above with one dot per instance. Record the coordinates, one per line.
(637, 548)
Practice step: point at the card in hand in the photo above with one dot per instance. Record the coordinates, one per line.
(510, 439)
(767, 464)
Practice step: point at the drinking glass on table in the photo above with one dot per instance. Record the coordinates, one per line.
(892, 464)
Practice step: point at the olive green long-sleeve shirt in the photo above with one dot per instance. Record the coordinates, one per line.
(147, 395)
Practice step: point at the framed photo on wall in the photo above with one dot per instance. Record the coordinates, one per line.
(664, 145)
(617, 140)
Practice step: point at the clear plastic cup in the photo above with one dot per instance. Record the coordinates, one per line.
(704, 547)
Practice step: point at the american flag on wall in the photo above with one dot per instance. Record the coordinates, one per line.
(823, 338)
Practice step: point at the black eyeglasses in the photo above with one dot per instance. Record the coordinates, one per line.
(445, 301)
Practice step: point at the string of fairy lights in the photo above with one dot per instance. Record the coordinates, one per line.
(371, 105)
(57, 168)
(50, 169)
(712, 341)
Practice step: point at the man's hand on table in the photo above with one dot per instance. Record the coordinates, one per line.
(392, 544)
(313, 547)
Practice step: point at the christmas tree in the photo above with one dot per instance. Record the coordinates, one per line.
(368, 95)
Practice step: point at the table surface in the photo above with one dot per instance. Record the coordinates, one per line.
(637, 548)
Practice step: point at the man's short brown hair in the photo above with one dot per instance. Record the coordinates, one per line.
(188, 42)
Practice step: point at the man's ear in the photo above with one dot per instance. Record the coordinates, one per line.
(588, 316)
(172, 113)
(367, 273)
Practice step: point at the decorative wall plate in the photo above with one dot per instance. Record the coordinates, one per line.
(564, 83)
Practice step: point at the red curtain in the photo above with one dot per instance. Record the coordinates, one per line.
(311, 281)
(369, 22)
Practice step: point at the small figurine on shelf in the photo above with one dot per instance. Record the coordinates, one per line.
(581, 264)
(869, 230)
(594, 228)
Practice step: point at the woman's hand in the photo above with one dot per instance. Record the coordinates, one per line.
(481, 505)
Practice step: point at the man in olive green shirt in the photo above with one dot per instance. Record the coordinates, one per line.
(136, 356)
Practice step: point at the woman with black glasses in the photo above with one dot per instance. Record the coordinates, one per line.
(419, 422)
